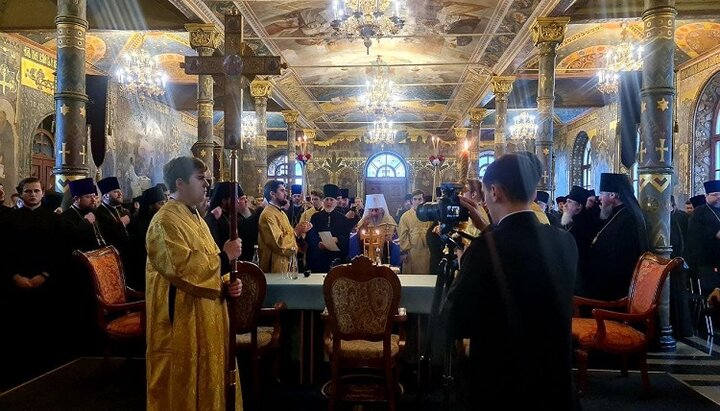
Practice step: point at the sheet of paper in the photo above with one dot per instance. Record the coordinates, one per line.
(327, 238)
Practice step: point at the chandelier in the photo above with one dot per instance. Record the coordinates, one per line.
(140, 74)
(378, 99)
(524, 128)
(381, 132)
(248, 127)
(367, 19)
(626, 56)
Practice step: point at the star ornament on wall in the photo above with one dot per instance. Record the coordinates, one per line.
(663, 104)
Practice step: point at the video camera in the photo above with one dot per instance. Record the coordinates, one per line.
(446, 210)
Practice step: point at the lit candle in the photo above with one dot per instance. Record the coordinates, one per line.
(464, 161)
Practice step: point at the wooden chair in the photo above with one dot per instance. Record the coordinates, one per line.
(258, 329)
(362, 302)
(625, 326)
(120, 309)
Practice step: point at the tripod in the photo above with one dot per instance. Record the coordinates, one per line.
(448, 265)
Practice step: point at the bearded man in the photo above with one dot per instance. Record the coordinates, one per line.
(615, 249)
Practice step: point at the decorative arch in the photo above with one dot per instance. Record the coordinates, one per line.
(386, 164)
(582, 141)
(703, 120)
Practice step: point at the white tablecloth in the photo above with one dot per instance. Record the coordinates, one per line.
(306, 293)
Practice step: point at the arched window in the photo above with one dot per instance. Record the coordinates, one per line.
(278, 170)
(484, 160)
(587, 177)
(385, 165)
(715, 147)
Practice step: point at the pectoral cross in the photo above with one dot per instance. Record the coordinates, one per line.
(82, 154)
(642, 151)
(63, 152)
(662, 150)
(235, 64)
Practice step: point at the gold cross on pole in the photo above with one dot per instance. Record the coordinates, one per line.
(545, 176)
(662, 149)
(63, 152)
(83, 153)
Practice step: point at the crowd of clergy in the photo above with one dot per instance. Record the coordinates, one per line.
(47, 298)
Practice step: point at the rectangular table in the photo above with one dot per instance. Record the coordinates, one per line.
(306, 293)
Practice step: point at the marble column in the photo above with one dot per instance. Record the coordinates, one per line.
(71, 162)
(476, 117)
(205, 39)
(502, 86)
(547, 34)
(291, 117)
(655, 168)
(260, 91)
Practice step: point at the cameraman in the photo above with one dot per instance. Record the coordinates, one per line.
(513, 297)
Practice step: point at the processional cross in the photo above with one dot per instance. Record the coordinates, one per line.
(235, 64)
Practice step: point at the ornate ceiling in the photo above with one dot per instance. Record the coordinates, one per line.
(441, 62)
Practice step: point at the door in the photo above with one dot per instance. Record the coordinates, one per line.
(386, 174)
(42, 168)
(393, 189)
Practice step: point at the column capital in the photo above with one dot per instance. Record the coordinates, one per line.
(502, 84)
(477, 115)
(260, 88)
(309, 133)
(203, 35)
(549, 29)
(290, 116)
(460, 133)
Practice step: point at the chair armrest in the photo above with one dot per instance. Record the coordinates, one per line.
(601, 315)
(579, 302)
(134, 293)
(135, 305)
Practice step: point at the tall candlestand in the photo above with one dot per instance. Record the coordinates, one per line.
(464, 163)
(436, 159)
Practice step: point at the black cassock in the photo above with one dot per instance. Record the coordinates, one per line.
(513, 299)
(703, 247)
(247, 232)
(339, 226)
(611, 259)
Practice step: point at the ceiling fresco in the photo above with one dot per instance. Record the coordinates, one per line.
(441, 62)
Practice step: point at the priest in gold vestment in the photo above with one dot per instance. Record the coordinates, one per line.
(276, 237)
(413, 240)
(187, 319)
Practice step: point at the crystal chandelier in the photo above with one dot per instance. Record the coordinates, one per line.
(367, 19)
(524, 128)
(140, 74)
(626, 56)
(381, 132)
(378, 99)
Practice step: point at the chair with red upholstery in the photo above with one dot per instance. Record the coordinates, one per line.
(120, 309)
(626, 326)
(364, 329)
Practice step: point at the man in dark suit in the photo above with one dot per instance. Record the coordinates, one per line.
(513, 297)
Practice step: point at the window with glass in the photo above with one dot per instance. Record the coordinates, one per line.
(385, 165)
(278, 170)
(484, 160)
(586, 168)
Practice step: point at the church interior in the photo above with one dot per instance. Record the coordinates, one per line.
(435, 93)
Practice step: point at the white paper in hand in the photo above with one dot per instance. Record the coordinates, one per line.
(328, 240)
